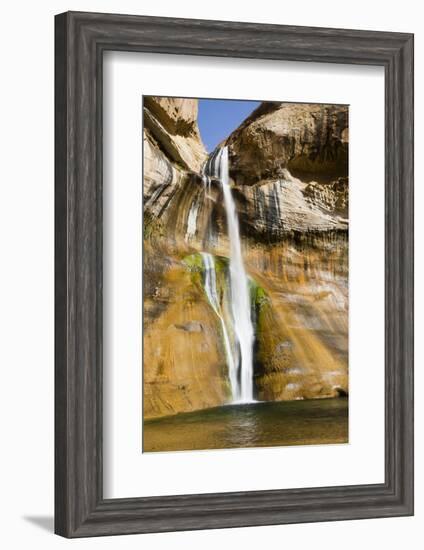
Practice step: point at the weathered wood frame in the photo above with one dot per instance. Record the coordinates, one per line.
(81, 39)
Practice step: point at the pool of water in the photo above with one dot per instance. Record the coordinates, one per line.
(262, 424)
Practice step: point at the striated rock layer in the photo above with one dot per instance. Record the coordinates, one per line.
(172, 123)
(288, 164)
(310, 140)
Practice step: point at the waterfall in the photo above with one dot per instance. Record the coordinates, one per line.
(192, 221)
(240, 295)
(212, 294)
(242, 352)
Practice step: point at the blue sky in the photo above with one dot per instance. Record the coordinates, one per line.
(219, 117)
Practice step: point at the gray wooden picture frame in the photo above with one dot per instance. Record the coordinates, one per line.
(80, 40)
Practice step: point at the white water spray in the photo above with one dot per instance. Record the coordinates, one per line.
(239, 286)
(239, 336)
(192, 221)
(212, 294)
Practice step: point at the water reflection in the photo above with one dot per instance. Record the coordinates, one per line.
(242, 426)
(319, 421)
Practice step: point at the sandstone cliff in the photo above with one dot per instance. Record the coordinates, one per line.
(310, 140)
(288, 164)
(184, 365)
(173, 124)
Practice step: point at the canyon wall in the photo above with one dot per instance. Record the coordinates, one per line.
(288, 165)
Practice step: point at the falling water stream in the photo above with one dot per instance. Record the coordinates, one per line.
(212, 294)
(240, 354)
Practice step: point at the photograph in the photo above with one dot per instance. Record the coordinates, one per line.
(208, 275)
(245, 273)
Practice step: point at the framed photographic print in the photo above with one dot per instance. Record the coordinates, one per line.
(234, 274)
